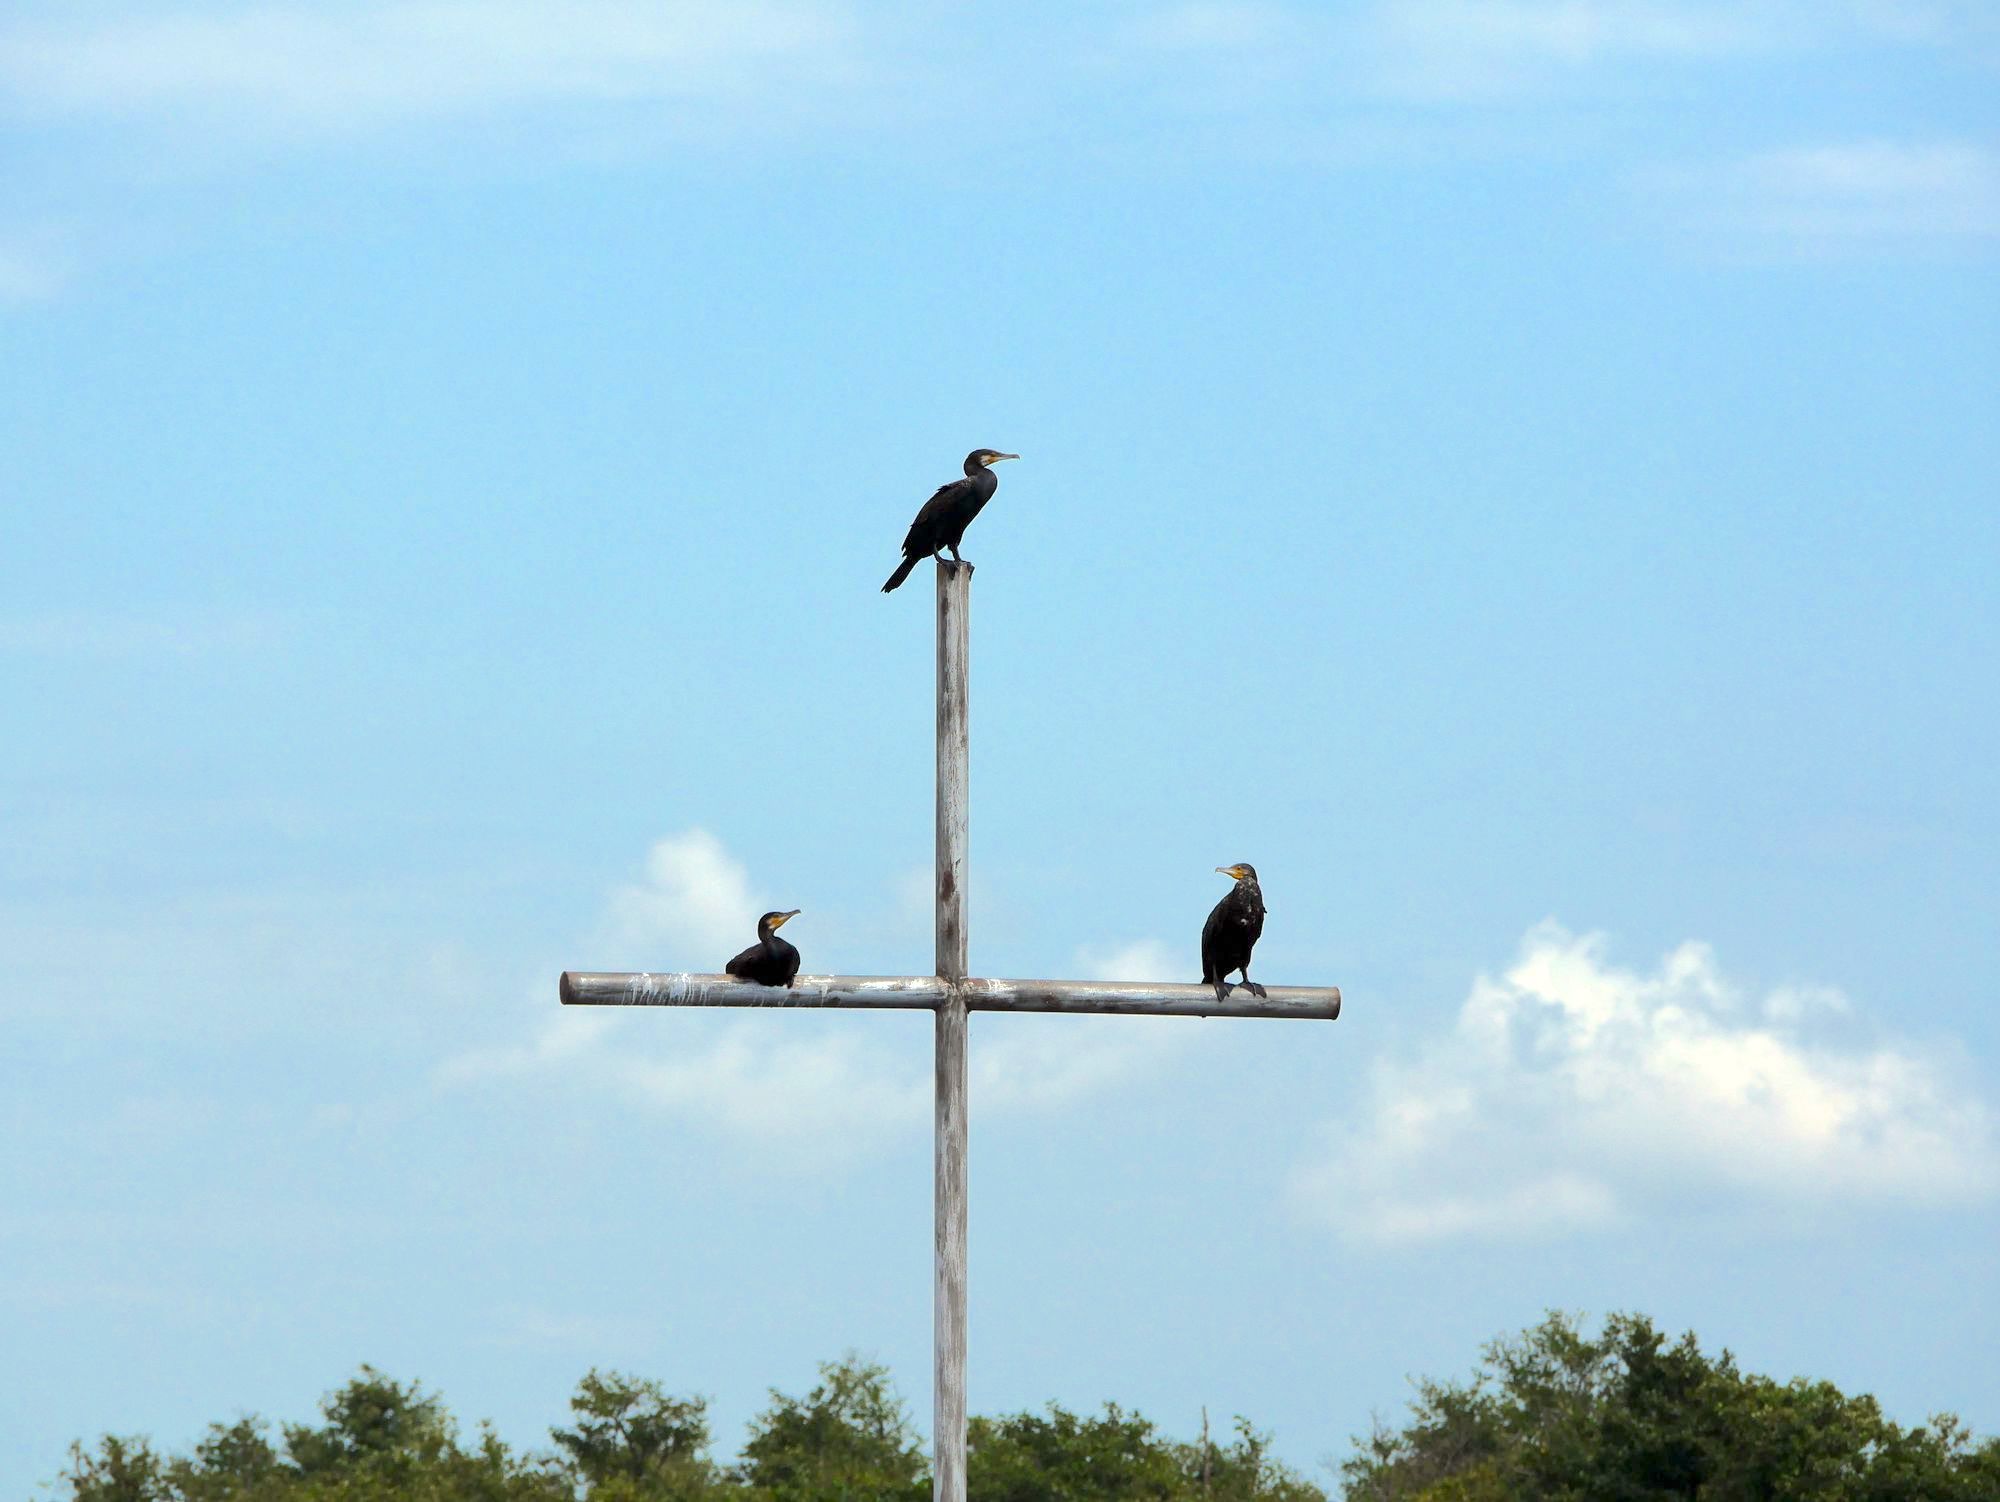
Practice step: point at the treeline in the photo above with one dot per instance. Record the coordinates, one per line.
(850, 1439)
(1551, 1415)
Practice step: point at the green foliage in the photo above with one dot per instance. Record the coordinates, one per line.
(849, 1438)
(230, 1461)
(1058, 1456)
(381, 1440)
(118, 1470)
(1557, 1416)
(1030, 1457)
(373, 1423)
(632, 1441)
(1552, 1415)
(1242, 1471)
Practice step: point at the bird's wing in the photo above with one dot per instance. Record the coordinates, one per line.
(743, 961)
(927, 516)
(1211, 931)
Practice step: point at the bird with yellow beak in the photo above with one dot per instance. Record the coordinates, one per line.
(1232, 932)
(771, 961)
(946, 515)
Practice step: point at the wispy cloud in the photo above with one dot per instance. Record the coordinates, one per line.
(695, 901)
(796, 1092)
(337, 70)
(804, 1099)
(801, 1091)
(1572, 1093)
(1215, 25)
(103, 634)
(1468, 48)
(1044, 1063)
(1935, 22)
(1475, 52)
(32, 269)
(1863, 197)
(526, 1325)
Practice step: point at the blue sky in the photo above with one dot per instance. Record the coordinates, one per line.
(1520, 473)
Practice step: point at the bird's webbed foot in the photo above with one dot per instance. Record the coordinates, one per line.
(1254, 989)
(1222, 990)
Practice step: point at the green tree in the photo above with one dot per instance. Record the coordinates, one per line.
(848, 1440)
(1058, 1456)
(231, 1461)
(373, 1422)
(1040, 1457)
(1556, 1415)
(631, 1439)
(382, 1441)
(120, 1469)
(1243, 1470)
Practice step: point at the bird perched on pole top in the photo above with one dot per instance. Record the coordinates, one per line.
(1232, 932)
(770, 961)
(946, 515)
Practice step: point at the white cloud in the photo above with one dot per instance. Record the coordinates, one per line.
(694, 909)
(793, 1084)
(1572, 1094)
(792, 1090)
(801, 1090)
(1140, 960)
(1844, 198)
(104, 634)
(30, 270)
(1040, 1063)
(1214, 25)
(1934, 22)
(339, 69)
(829, 1094)
(527, 1325)
(1472, 50)
(1570, 31)
(1451, 49)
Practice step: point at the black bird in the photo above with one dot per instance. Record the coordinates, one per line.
(770, 961)
(947, 514)
(1232, 931)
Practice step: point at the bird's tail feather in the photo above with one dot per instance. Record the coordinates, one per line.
(902, 572)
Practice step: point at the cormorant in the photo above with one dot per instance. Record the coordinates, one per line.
(1232, 931)
(770, 961)
(946, 515)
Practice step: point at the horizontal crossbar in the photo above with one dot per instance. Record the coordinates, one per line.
(589, 988)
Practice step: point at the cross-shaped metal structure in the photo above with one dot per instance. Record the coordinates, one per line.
(951, 994)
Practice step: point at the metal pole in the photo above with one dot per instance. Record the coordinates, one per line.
(922, 993)
(954, 598)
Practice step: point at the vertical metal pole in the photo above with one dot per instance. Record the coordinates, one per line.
(954, 599)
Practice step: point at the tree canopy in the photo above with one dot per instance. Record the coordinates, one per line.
(1552, 1414)
(849, 1439)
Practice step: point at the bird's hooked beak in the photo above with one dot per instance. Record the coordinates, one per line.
(996, 458)
(783, 918)
(1234, 873)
